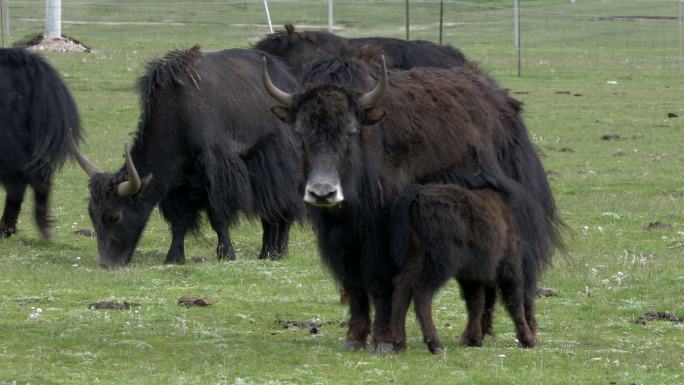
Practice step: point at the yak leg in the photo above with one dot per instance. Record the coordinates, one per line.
(382, 336)
(224, 248)
(529, 312)
(510, 283)
(488, 314)
(179, 208)
(41, 191)
(422, 301)
(401, 299)
(275, 239)
(474, 296)
(13, 200)
(359, 319)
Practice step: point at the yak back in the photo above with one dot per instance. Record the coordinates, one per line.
(37, 112)
(300, 47)
(206, 122)
(463, 233)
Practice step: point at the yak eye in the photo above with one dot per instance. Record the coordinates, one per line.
(113, 218)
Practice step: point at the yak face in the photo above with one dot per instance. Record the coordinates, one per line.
(118, 221)
(328, 119)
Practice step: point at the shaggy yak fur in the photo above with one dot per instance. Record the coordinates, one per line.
(442, 231)
(298, 48)
(37, 112)
(433, 125)
(208, 141)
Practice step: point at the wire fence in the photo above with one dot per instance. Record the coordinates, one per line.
(557, 36)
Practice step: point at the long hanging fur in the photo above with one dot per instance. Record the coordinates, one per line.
(37, 113)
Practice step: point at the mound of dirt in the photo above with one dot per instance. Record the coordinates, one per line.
(658, 315)
(58, 44)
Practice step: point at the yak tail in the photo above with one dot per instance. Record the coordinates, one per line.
(51, 110)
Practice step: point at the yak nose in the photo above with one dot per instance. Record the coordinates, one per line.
(323, 194)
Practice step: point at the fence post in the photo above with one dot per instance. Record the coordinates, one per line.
(679, 34)
(441, 19)
(330, 16)
(4, 20)
(516, 28)
(53, 18)
(268, 17)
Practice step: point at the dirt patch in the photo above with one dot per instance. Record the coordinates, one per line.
(610, 137)
(313, 326)
(546, 292)
(191, 301)
(562, 92)
(520, 93)
(58, 44)
(199, 259)
(112, 305)
(566, 149)
(658, 315)
(658, 225)
(85, 233)
(576, 94)
(672, 115)
(636, 18)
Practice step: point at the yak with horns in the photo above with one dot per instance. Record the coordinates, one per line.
(37, 112)
(205, 141)
(361, 149)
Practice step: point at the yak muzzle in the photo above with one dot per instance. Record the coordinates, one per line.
(323, 193)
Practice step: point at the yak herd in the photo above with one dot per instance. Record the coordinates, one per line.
(411, 164)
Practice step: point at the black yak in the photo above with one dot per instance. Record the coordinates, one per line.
(298, 48)
(205, 141)
(361, 148)
(442, 231)
(37, 112)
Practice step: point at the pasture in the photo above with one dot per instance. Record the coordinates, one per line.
(597, 92)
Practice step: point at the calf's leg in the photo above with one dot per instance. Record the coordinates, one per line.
(41, 192)
(474, 296)
(382, 336)
(359, 318)
(488, 314)
(510, 284)
(422, 301)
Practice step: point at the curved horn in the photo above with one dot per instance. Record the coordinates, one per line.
(90, 169)
(373, 96)
(279, 95)
(133, 184)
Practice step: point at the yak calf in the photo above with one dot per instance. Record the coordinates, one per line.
(444, 231)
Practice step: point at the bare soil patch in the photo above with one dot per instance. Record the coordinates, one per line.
(191, 301)
(658, 315)
(85, 232)
(112, 305)
(59, 44)
(658, 225)
(313, 326)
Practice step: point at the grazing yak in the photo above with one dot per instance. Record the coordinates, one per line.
(361, 148)
(205, 141)
(298, 48)
(37, 112)
(442, 231)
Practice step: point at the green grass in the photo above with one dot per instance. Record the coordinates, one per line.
(607, 191)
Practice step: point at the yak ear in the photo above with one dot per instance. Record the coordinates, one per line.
(281, 113)
(372, 115)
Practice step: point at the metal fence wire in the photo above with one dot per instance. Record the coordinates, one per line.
(556, 36)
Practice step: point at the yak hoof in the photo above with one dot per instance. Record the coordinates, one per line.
(527, 344)
(435, 347)
(7, 232)
(382, 348)
(354, 345)
(471, 341)
(399, 345)
(171, 260)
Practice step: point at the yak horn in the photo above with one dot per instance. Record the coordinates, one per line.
(90, 169)
(133, 184)
(279, 95)
(373, 96)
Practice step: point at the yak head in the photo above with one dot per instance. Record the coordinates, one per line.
(298, 48)
(328, 121)
(117, 213)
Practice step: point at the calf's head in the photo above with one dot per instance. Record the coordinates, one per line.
(117, 214)
(327, 120)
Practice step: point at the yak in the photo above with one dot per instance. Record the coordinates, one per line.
(205, 141)
(298, 48)
(361, 148)
(442, 231)
(37, 112)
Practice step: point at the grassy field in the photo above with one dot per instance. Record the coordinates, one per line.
(608, 191)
